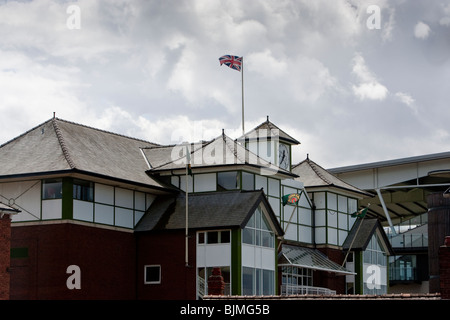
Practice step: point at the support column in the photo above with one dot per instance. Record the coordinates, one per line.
(438, 229)
(5, 260)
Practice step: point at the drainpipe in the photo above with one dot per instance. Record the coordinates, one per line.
(313, 220)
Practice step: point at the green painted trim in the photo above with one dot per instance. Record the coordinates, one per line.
(359, 281)
(19, 253)
(236, 261)
(67, 198)
(277, 284)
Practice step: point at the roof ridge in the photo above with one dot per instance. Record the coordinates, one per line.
(62, 143)
(314, 166)
(105, 131)
(25, 133)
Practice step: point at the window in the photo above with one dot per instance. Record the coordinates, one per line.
(228, 180)
(257, 231)
(152, 274)
(374, 256)
(213, 237)
(52, 189)
(258, 281)
(202, 279)
(295, 276)
(248, 181)
(83, 190)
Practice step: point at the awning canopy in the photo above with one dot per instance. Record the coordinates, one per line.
(309, 258)
(6, 209)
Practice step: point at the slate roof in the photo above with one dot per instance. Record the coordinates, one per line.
(313, 175)
(221, 151)
(228, 209)
(58, 146)
(269, 127)
(359, 239)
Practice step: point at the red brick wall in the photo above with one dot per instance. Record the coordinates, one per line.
(106, 259)
(444, 269)
(168, 250)
(330, 279)
(5, 235)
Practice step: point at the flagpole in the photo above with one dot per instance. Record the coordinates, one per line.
(287, 225)
(242, 82)
(187, 212)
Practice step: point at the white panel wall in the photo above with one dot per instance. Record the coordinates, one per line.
(83, 210)
(124, 198)
(205, 182)
(51, 209)
(26, 196)
(258, 257)
(211, 255)
(123, 217)
(104, 214)
(104, 194)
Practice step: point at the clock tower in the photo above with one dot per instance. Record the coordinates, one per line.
(270, 143)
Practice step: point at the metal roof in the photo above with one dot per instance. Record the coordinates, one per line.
(393, 162)
(309, 258)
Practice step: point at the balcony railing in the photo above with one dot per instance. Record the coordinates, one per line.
(409, 240)
(288, 289)
(403, 274)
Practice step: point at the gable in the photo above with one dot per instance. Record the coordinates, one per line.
(218, 153)
(361, 234)
(228, 209)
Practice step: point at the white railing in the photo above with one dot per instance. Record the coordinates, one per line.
(202, 288)
(289, 289)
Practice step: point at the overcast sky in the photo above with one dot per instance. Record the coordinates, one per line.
(352, 85)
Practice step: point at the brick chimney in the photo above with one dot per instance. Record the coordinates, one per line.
(216, 284)
(444, 269)
(5, 249)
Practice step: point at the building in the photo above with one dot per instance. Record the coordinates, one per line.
(411, 203)
(335, 202)
(105, 216)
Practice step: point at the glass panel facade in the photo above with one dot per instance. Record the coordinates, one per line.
(374, 266)
(257, 231)
(228, 180)
(52, 189)
(257, 281)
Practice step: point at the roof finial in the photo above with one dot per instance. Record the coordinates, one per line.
(307, 156)
(267, 118)
(54, 114)
(223, 131)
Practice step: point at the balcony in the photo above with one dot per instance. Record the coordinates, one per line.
(403, 274)
(405, 241)
(288, 289)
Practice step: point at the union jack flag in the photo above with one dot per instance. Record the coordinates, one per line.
(234, 62)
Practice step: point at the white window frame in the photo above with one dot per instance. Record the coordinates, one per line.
(145, 274)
